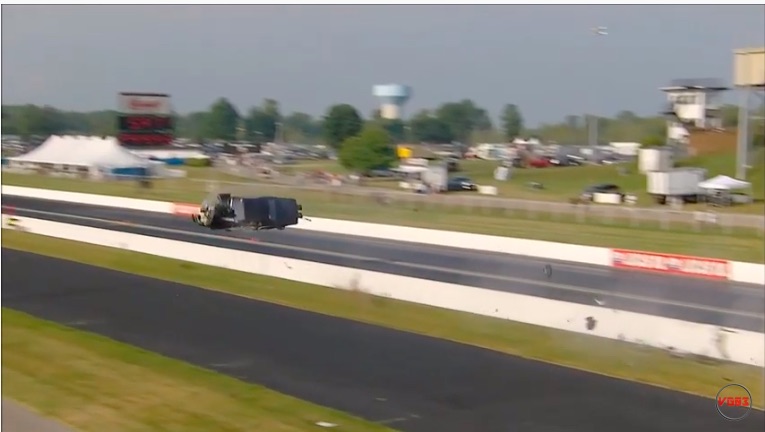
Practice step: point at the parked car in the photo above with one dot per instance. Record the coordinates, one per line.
(461, 184)
(377, 173)
(612, 160)
(539, 162)
(590, 191)
(452, 165)
(565, 161)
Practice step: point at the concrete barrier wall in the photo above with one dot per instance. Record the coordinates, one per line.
(747, 272)
(684, 337)
(637, 260)
(82, 198)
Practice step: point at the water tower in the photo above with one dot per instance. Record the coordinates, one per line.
(392, 98)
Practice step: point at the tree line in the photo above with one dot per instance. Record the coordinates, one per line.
(461, 121)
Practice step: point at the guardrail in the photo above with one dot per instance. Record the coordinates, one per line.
(678, 336)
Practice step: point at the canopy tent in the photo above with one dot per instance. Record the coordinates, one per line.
(723, 182)
(83, 151)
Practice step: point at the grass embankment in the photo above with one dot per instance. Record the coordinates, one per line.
(603, 356)
(680, 238)
(564, 183)
(96, 384)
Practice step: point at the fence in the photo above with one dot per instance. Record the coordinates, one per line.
(703, 218)
(334, 200)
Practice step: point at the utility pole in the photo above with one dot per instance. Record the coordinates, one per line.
(592, 120)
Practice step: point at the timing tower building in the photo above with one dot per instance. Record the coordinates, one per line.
(393, 97)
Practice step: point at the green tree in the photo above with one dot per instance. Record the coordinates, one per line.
(626, 116)
(574, 122)
(8, 126)
(43, 121)
(653, 141)
(758, 140)
(261, 125)
(463, 118)
(300, 125)
(222, 120)
(263, 121)
(396, 128)
(729, 115)
(271, 108)
(193, 126)
(426, 127)
(100, 123)
(512, 121)
(340, 123)
(481, 120)
(371, 149)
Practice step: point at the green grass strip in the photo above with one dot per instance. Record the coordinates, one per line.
(93, 383)
(608, 357)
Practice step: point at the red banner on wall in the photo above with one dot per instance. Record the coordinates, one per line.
(183, 209)
(672, 264)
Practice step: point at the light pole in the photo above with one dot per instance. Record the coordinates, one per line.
(279, 133)
(591, 119)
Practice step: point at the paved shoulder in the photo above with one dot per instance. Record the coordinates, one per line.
(18, 418)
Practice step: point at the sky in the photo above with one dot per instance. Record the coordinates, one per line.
(545, 59)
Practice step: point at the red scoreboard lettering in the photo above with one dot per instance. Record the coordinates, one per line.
(145, 130)
(145, 139)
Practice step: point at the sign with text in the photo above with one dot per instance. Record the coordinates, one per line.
(672, 264)
(144, 103)
(183, 209)
(145, 120)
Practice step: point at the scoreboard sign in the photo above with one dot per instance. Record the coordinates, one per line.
(145, 119)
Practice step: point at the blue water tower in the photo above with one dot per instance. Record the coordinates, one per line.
(392, 99)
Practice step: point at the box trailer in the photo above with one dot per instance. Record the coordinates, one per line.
(678, 183)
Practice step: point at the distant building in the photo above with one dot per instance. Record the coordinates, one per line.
(692, 104)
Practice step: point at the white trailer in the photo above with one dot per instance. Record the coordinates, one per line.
(678, 183)
(436, 177)
(656, 159)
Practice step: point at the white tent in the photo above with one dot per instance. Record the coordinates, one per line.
(83, 151)
(723, 182)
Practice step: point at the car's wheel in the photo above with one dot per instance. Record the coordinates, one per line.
(209, 217)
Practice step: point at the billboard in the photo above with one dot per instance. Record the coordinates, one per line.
(145, 119)
(144, 103)
(670, 264)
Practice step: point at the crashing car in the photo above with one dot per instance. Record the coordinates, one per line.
(227, 211)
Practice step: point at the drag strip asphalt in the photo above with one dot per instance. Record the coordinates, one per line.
(409, 382)
(722, 303)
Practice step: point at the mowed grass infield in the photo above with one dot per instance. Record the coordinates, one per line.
(739, 244)
(112, 381)
(96, 384)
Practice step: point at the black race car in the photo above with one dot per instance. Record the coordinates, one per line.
(227, 211)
